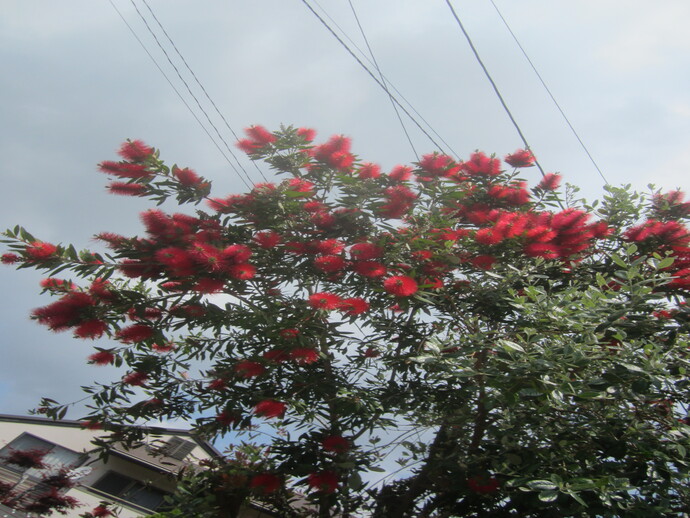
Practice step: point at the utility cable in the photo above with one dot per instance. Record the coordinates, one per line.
(383, 79)
(323, 22)
(198, 81)
(390, 84)
(248, 186)
(493, 84)
(524, 53)
(189, 90)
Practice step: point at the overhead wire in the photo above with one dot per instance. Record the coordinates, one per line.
(388, 81)
(143, 46)
(189, 90)
(541, 80)
(493, 84)
(198, 82)
(378, 81)
(383, 79)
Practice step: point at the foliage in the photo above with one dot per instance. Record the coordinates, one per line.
(519, 356)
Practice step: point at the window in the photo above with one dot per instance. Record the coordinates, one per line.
(130, 490)
(55, 459)
(177, 448)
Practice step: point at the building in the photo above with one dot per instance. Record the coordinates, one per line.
(133, 479)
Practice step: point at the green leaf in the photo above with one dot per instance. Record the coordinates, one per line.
(541, 485)
(548, 496)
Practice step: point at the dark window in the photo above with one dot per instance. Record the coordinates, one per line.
(177, 448)
(130, 490)
(55, 458)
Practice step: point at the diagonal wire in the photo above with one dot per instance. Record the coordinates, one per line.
(198, 81)
(524, 53)
(493, 84)
(383, 79)
(248, 186)
(371, 74)
(189, 90)
(389, 83)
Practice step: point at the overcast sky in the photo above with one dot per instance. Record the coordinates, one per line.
(75, 83)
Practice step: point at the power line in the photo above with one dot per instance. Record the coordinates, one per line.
(388, 81)
(493, 84)
(136, 36)
(198, 81)
(189, 90)
(524, 53)
(383, 79)
(323, 22)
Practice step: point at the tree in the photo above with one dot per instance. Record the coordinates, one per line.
(519, 353)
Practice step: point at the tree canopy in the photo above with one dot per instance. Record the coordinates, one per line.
(448, 339)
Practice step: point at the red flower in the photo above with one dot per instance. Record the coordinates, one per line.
(354, 306)
(400, 285)
(101, 512)
(485, 262)
(91, 425)
(276, 356)
(209, 286)
(304, 355)
(521, 158)
(134, 333)
(10, 258)
(260, 135)
(125, 169)
(267, 239)
(249, 369)
(400, 173)
(307, 134)
(483, 485)
(365, 251)
(328, 246)
(488, 236)
(136, 379)
(242, 272)
(325, 301)
(26, 458)
(102, 358)
(163, 348)
(329, 263)
(336, 444)
(289, 334)
(135, 150)
(324, 481)
(226, 418)
(217, 384)
(481, 164)
(436, 165)
(186, 177)
(270, 408)
(267, 483)
(368, 170)
(38, 251)
(550, 182)
(369, 269)
(237, 254)
(127, 189)
(299, 185)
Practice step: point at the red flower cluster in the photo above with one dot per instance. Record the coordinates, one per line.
(521, 158)
(249, 369)
(336, 444)
(323, 481)
(335, 153)
(266, 483)
(259, 137)
(400, 285)
(270, 408)
(483, 485)
(26, 458)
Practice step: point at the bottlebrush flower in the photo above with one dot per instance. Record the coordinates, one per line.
(354, 306)
(335, 152)
(335, 444)
(304, 355)
(127, 189)
(125, 169)
(323, 219)
(325, 301)
(134, 333)
(217, 384)
(485, 262)
(91, 425)
(483, 485)
(267, 239)
(136, 379)
(550, 182)
(308, 134)
(242, 272)
(400, 285)
(370, 269)
(186, 177)
(260, 135)
(545, 250)
(488, 236)
(209, 286)
(102, 358)
(236, 254)
(300, 185)
(92, 328)
(436, 165)
(266, 483)
(270, 408)
(368, 170)
(323, 481)
(101, 512)
(135, 151)
(51, 283)
(10, 258)
(480, 164)
(365, 251)
(276, 356)
(400, 173)
(521, 158)
(26, 458)
(226, 418)
(163, 348)
(289, 334)
(249, 369)
(329, 263)
(38, 251)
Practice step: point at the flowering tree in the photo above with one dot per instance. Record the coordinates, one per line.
(441, 340)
